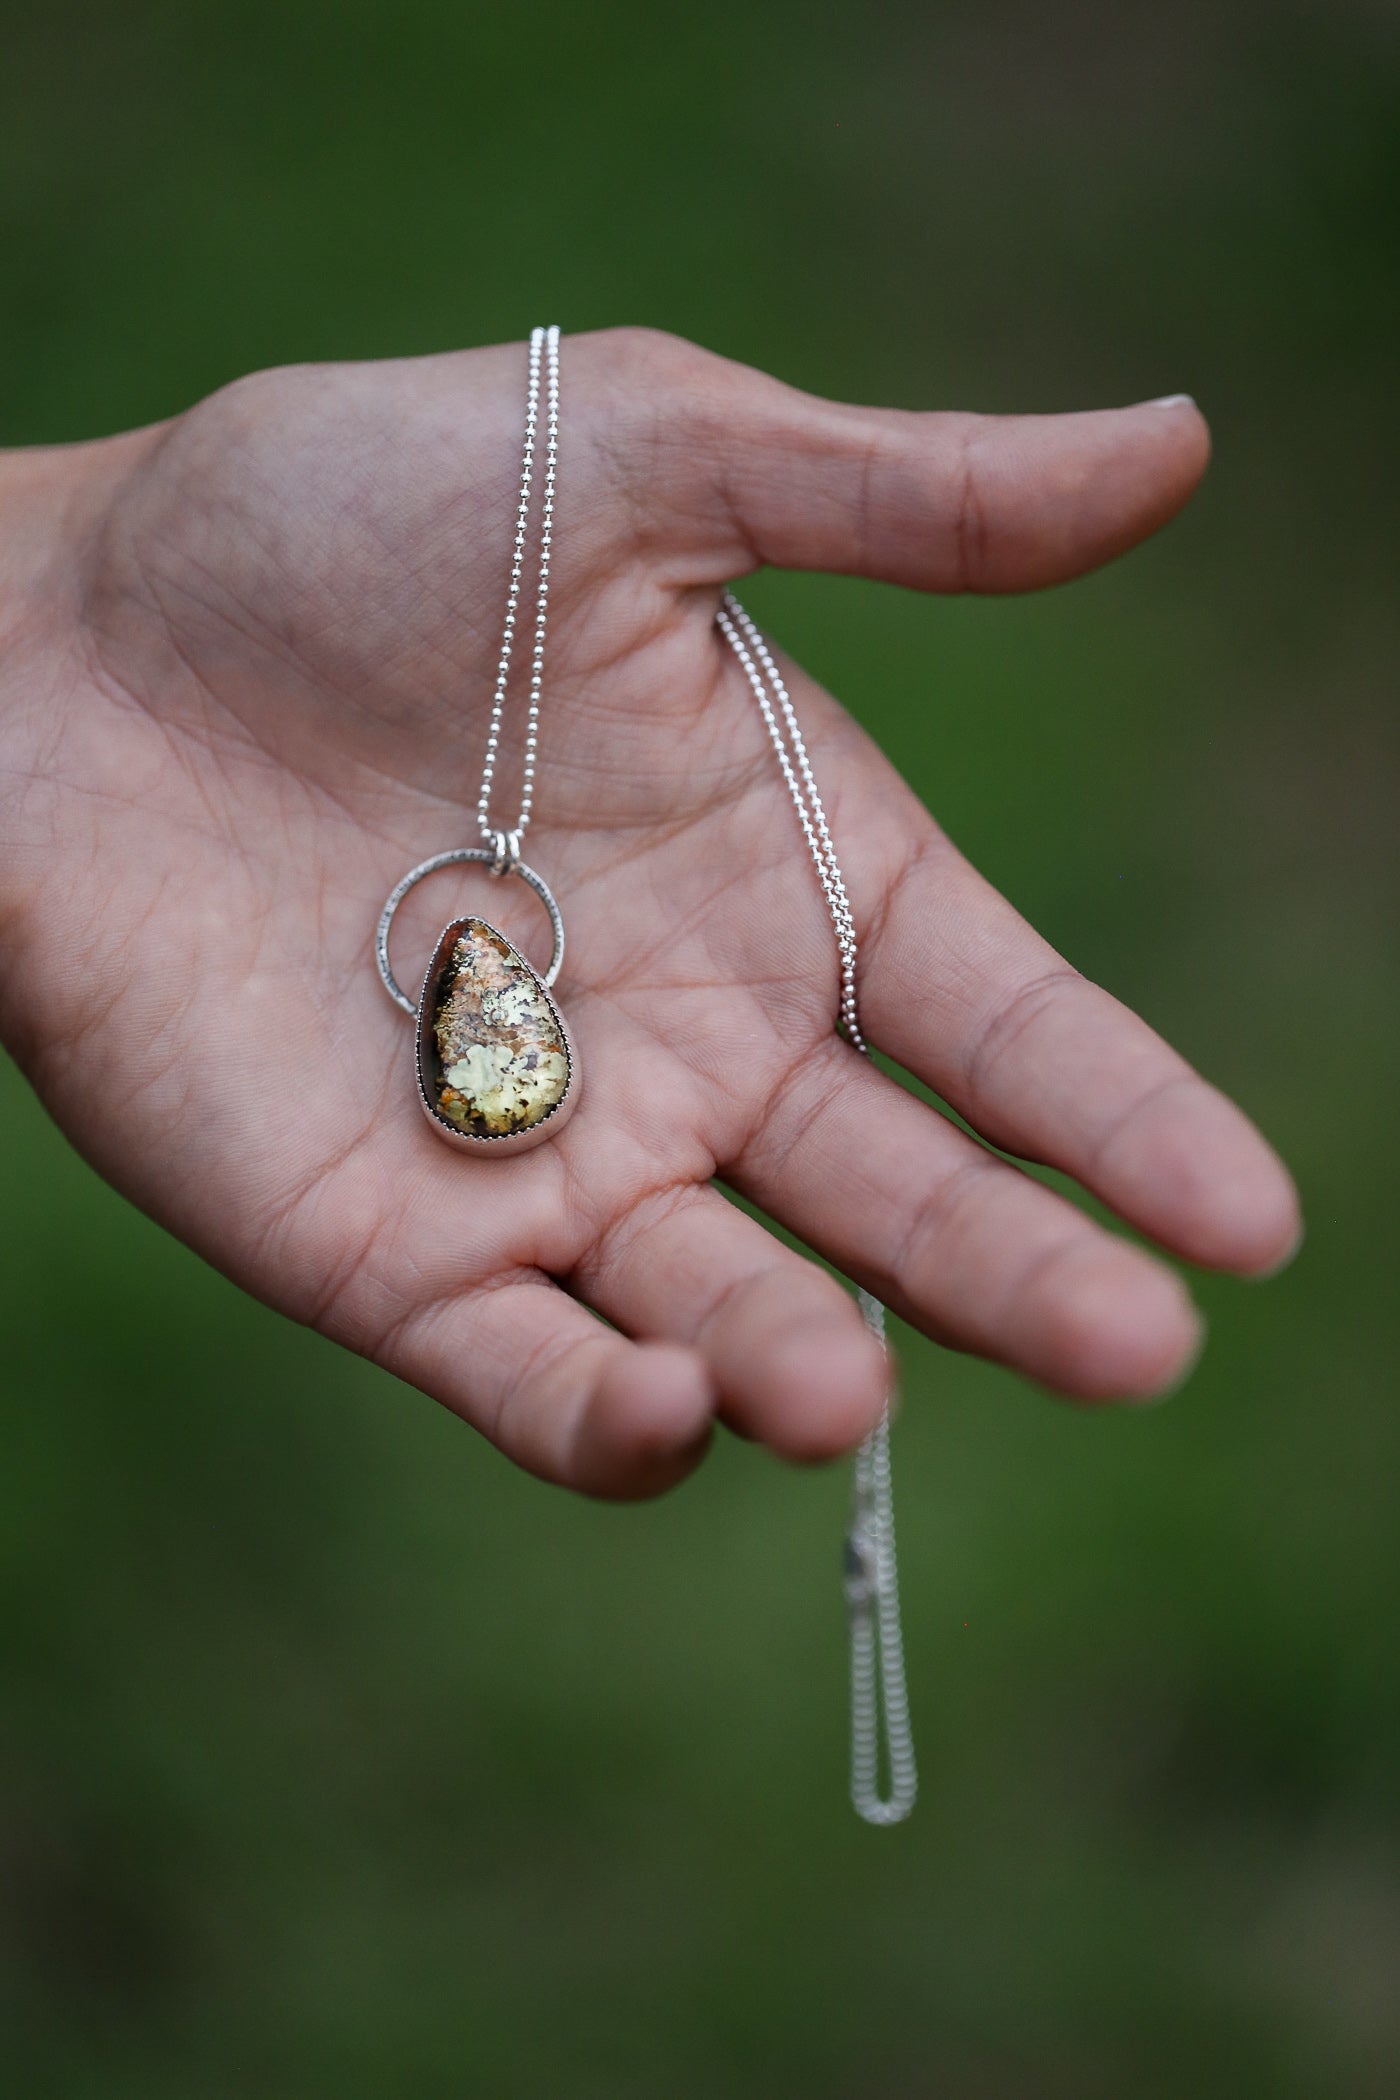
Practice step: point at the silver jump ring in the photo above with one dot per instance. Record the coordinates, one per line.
(505, 853)
(487, 856)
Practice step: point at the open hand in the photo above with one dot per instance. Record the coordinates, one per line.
(249, 664)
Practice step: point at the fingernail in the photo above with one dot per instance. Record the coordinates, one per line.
(1170, 401)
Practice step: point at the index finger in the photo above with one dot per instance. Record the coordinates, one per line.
(963, 993)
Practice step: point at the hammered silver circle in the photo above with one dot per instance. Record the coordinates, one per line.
(485, 855)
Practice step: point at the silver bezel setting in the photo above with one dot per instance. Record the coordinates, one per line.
(494, 1145)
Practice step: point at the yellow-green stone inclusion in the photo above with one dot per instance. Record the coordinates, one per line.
(501, 1064)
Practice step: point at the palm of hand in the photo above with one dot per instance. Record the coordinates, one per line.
(284, 656)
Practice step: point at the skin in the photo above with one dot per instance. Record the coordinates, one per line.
(248, 658)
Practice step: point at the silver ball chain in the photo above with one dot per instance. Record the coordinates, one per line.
(544, 345)
(797, 772)
(878, 1690)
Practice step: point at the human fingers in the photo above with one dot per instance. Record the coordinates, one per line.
(557, 1391)
(960, 1242)
(963, 993)
(739, 470)
(792, 1361)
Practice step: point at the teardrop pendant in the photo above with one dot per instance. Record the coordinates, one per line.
(496, 1068)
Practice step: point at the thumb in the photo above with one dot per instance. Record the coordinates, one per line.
(755, 472)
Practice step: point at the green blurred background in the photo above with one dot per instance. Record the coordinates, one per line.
(341, 1760)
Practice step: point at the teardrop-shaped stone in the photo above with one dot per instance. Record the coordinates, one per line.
(492, 1052)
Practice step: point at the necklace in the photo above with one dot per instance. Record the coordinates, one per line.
(496, 1068)
(497, 1072)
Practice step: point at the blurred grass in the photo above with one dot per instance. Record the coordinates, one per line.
(338, 1758)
